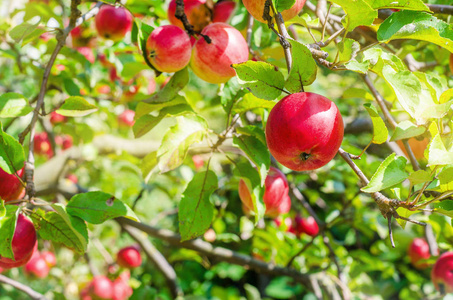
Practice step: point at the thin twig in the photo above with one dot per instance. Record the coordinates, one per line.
(22, 287)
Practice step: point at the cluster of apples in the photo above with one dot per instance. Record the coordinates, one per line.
(101, 287)
(40, 264)
(299, 225)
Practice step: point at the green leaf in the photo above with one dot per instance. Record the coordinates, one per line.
(232, 91)
(264, 80)
(7, 229)
(252, 179)
(148, 165)
(131, 69)
(256, 150)
(407, 129)
(59, 227)
(76, 107)
(403, 212)
(348, 49)
(281, 5)
(303, 70)
(252, 292)
(438, 154)
(12, 156)
(419, 176)
(71, 87)
(446, 179)
(358, 12)
(2, 209)
(398, 4)
(23, 30)
(195, 209)
(146, 108)
(176, 142)
(380, 131)
(251, 130)
(177, 82)
(416, 25)
(143, 32)
(250, 102)
(13, 105)
(390, 172)
(98, 207)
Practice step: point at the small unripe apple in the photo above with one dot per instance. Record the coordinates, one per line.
(42, 145)
(442, 273)
(198, 14)
(169, 48)
(37, 267)
(49, 258)
(256, 9)
(304, 131)
(113, 22)
(127, 118)
(10, 186)
(275, 195)
(56, 118)
(129, 257)
(23, 244)
(223, 11)
(101, 288)
(308, 226)
(212, 62)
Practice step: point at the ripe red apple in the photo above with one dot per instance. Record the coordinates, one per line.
(223, 11)
(49, 258)
(37, 267)
(42, 145)
(198, 14)
(127, 118)
(275, 196)
(23, 244)
(304, 131)
(56, 118)
(10, 185)
(87, 52)
(418, 250)
(121, 290)
(113, 22)
(256, 9)
(101, 288)
(198, 161)
(169, 48)
(442, 273)
(212, 62)
(73, 178)
(308, 226)
(129, 257)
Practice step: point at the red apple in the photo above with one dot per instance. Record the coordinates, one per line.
(212, 62)
(127, 118)
(49, 258)
(256, 9)
(442, 273)
(418, 251)
(308, 226)
(73, 178)
(223, 11)
(56, 118)
(10, 186)
(113, 22)
(304, 131)
(42, 145)
(198, 161)
(129, 257)
(101, 288)
(87, 52)
(275, 194)
(289, 225)
(23, 244)
(169, 48)
(37, 267)
(198, 14)
(121, 290)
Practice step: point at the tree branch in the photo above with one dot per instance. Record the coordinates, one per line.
(22, 287)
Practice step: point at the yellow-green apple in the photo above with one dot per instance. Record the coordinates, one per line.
(23, 244)
(418, 251)
(129, 257)
(442, 273)
(197, 12)
(304, 131)
(113, 22)
(275, 195)
(308, 226)
(223, 11)
(256, 9)
(212, 61)
(169, 48)
(10, 186)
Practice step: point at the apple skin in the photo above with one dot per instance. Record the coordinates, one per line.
(23, 244)
(121, 290)
(308, 226)
(101, 288)
(442, 273)
(198, 14)
(113, 22)
(304, 131)
(127, 118)
(169, 48)
(56, 118)
(129, 257)
(49, 258)
(212, 62)
(42, 145)
(418, 250)
(37, 267)
(275, 195)
(10, 185)
(223, 11)
(256, 9)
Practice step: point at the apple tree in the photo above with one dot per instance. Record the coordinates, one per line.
(201, 149)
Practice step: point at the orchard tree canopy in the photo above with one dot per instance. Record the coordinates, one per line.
(226, 149)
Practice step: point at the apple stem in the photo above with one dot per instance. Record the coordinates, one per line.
(304, 156)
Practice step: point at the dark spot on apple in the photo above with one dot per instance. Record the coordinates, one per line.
(109, 201)
(442, 288)
(304, 156)
(107, 36)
